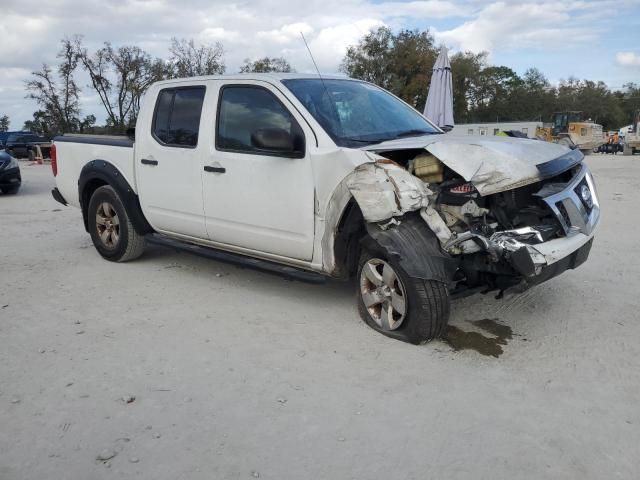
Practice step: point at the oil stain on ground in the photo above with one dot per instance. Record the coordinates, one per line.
(459, 339)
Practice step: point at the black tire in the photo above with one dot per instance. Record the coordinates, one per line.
(10, 190)
(427, 304)
(129, 244)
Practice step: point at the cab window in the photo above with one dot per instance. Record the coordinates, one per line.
(244, 109)
(176, 121)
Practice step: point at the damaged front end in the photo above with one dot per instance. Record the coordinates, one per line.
(494, 239)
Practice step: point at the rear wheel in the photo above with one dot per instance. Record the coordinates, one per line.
(112, 232)
(399, 306)
(10, 190)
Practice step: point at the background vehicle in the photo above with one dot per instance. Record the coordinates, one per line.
(5, 135)
(10, 179)
(337, 177)
(22, 145)
(570, 129)
(632, 138)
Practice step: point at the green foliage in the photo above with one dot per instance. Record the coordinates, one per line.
(4, 123)
(402, 63)
(266, 65)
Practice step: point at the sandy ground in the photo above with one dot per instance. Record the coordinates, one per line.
(242, 374)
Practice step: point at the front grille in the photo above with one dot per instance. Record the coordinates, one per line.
(570, 209)
(563, 212)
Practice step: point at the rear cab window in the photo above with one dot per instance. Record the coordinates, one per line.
(176, 120)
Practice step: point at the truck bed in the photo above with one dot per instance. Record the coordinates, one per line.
(75, 151)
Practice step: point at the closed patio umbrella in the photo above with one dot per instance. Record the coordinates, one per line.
(439, 107)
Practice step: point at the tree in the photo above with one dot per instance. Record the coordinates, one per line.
(4, 123)
(266, 65)
(400, 62)
(629, 100)
(57, 95)
(465, 72)
(370, 59)
(187, 60)
(120, 76)
(42, 122)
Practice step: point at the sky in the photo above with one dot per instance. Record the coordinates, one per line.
(597, 40)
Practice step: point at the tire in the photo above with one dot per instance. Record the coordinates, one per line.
(10, 190)
(32, 156)
(427, 304)
(111, 229)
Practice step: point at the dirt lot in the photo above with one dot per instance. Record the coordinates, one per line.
(242, 374)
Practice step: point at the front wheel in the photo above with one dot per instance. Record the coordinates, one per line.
(112, 232)
(399, 306)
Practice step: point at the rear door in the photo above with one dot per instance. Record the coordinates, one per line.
(169, 161)
(253, 199)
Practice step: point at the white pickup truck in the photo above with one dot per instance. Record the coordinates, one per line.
(339, 177)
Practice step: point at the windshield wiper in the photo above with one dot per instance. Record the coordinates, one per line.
(411, 133)
(408, 133)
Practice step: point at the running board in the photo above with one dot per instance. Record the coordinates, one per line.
(238, 260)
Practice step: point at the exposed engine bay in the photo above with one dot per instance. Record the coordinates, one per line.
(494, 236)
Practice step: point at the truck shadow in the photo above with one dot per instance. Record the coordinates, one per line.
(487, 336)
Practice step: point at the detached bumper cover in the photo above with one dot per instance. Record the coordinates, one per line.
(577, 209)
(569, 262)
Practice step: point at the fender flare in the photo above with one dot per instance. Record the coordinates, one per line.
(415, 247)
(103, 172)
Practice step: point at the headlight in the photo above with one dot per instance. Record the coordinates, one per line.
(585, 193)
(13, 163)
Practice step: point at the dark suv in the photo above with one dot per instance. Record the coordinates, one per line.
(10, 178)
(19, 144)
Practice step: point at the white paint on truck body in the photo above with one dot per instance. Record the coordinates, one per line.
(492, 164)
(283, 209)
(74, 156)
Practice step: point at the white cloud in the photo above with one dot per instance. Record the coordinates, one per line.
(544, 25)
(420, 9)
(30, 30)
(628, 59)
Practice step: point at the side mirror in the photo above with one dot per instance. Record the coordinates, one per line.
(277, 141)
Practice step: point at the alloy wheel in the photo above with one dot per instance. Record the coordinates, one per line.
(383, 294)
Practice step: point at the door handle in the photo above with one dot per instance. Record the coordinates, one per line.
(146, 161)
(208, 168)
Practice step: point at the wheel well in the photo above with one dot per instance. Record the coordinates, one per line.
(90, 187)
(349, 233)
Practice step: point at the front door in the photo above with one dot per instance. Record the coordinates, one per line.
(254, 199)
(169, 163)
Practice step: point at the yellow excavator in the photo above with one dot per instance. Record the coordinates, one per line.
(570, 129)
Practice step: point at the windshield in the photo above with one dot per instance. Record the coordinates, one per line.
(356, 113)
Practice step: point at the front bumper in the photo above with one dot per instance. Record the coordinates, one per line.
(568, 262)
(577, 209)
(10, 177)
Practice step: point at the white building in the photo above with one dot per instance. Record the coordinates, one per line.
(493, 128)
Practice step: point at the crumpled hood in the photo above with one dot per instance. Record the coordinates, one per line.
(492, 164)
